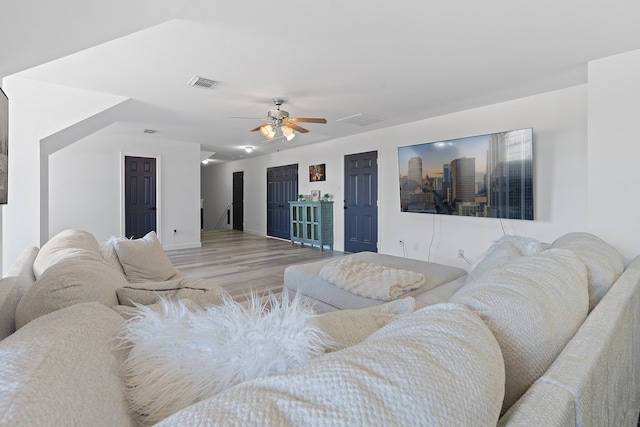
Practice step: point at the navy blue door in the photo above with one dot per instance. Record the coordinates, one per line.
(361, 202)
(238, 201)
(140, 196)
(282, 187)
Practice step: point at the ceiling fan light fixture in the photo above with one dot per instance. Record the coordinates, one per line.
(288, 133)
(268, 131)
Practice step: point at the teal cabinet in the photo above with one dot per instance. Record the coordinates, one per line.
(312, 223)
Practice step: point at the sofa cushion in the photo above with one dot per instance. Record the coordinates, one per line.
(60, 371)
(604, 263)
(70, 282)
(67, 244)
(437, 366)
(533, 306)
(349, 327)
(498, 255)
(201, 291)
(9, 299)
(144, 259)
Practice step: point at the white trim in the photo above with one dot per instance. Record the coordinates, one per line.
(183, 246)
(158, 158)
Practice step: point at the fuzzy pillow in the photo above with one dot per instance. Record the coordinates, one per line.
(180, 355)
(144, 259)
(527, 246)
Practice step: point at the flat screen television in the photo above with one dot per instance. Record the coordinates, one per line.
(487, 176)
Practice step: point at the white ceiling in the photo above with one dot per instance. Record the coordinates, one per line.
(398, 61)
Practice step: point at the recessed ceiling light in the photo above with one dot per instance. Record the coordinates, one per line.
(248, 149)
(149, 131)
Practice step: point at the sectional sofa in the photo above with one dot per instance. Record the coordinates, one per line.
(534, 336)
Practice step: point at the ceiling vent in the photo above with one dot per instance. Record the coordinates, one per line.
(202, 83)
(149, 131)
(360, 119)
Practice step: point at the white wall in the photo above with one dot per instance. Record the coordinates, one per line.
(44, 119)
(36, 111)
(86, 188)
(559, 121)
(614, 150)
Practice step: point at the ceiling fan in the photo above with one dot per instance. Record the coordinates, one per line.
(279, 119)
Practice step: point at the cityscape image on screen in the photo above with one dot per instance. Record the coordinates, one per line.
(481, 176)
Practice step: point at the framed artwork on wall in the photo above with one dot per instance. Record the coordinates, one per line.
(315, 195)
(4, 146)
(317, 173)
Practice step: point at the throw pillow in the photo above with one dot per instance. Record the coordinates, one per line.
(181, 354)
(67, 283)
(108, 252)
(144, 259)
(349, 327)
(533, 306)
(68, 244)
(202, 291)
(604, 263)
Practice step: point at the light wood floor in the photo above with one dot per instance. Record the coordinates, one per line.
(242, 262)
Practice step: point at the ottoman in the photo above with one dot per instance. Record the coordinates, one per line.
(324, 296)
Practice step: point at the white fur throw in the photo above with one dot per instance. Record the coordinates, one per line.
(370, 280)
(182, 354)
(527, 246)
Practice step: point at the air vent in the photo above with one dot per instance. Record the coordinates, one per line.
(149, 131)
(360, 119)
(202, 83)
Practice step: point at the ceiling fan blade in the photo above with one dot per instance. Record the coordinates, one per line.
(307, 120)
(296, 127)
(256, 129)
(242, 117)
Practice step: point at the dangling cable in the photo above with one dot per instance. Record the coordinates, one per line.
(433, 233)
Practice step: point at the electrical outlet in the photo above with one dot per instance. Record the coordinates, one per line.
(460, 253)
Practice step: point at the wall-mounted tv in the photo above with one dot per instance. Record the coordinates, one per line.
(481, 176)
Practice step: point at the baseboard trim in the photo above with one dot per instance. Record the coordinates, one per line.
(182, 246)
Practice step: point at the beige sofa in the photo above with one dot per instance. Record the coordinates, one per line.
(547, 338)
(72, 268)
